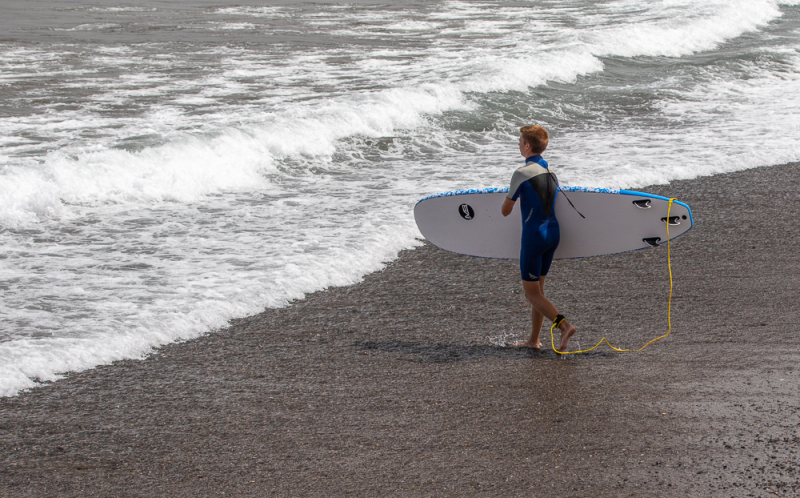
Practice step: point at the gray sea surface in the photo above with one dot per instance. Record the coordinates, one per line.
(168, 166)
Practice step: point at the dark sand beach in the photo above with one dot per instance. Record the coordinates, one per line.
(397, 385)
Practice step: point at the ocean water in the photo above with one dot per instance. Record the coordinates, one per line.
(166, 167)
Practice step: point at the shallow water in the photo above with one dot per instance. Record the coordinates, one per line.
(168, 166)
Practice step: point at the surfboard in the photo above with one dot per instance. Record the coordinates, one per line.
(469, 222)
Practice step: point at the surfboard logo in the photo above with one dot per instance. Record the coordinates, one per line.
(466, 212)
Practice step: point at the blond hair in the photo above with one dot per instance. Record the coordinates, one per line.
(536, 137)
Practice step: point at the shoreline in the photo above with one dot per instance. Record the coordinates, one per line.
(397, 385)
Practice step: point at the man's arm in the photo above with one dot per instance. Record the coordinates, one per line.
(508, 205)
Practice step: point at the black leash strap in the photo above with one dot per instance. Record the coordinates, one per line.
(565, 195)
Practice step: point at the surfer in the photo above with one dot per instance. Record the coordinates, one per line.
(536, 187)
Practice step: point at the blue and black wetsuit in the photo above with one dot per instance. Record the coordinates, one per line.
(537, 188)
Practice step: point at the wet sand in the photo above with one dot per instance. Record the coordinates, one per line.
(397, 385)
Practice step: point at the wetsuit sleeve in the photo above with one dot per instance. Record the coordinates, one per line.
(516, 182)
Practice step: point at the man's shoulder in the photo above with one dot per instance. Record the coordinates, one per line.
(529, 170)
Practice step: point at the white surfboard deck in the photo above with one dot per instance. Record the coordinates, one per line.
(469, 222)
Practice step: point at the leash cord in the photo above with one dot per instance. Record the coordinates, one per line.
(564, 193)
(669, 310)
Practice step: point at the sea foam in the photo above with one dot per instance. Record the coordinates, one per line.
(151, 199)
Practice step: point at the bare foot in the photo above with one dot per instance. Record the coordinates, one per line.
(528, 344)
(567, 331)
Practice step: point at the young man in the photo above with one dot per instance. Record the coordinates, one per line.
(536, 188)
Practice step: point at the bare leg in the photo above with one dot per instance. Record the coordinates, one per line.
(534, 293)
(537, 319)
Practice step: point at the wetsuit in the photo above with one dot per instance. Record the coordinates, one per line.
(537, 188)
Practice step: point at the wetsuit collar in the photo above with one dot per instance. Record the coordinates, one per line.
(537, 159)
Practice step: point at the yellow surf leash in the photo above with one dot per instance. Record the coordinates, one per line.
(669, 309)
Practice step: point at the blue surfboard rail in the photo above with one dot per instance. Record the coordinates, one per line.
(492, 190)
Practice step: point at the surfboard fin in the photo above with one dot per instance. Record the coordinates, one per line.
(673, 220)
(643, 204)
(652, 241)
